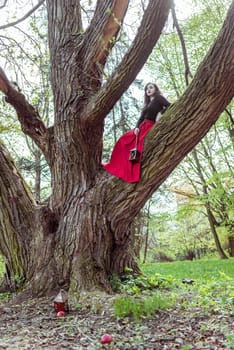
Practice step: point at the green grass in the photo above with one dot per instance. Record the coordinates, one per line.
(212, 290)
(213, 287)
(137, 308)
(199, 270)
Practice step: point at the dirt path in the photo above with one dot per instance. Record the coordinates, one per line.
(34, 325)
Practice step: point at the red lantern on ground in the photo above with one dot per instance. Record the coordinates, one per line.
(61, 301)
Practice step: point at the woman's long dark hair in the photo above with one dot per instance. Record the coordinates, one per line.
(146, 97)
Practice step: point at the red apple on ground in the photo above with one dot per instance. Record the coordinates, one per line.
(61, 314)
(106, 339)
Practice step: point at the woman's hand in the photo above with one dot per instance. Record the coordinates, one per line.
(136, 131)
(158, 116)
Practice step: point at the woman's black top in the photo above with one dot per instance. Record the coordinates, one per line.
(158, 104)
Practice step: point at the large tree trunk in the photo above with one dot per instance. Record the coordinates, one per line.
(210, 215)
(82, 234)
(214, 233)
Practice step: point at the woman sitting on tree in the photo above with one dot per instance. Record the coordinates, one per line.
(126, 155)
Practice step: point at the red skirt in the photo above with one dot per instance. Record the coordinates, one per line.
(119, 164)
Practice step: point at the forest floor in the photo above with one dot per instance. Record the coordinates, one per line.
(33, 324)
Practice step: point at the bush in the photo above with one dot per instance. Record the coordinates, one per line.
(137, 308)
(161, 256)
(131, 284)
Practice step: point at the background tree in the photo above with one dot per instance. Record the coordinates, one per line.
(211, 162)
(81, 234)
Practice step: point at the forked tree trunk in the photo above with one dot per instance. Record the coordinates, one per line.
(82, 233)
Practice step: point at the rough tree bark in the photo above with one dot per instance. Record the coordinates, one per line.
(81, 235)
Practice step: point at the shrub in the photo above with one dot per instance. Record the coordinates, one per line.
(137, 308)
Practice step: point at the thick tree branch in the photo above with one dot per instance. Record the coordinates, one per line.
(65, 33)
(191, 116)
(4, 82)
(16, 211)
(24, 17)
(150, 29)
(107, 20)
(22, 224)
(30, 121)
(64, 20)
(210, 92)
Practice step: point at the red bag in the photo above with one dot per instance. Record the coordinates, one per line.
(134, 155)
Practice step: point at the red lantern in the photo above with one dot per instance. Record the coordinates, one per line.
(61, 301)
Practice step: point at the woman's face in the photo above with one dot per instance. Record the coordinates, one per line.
(150, 90)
